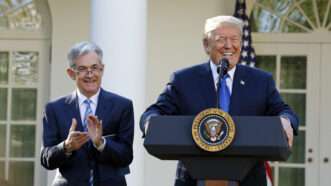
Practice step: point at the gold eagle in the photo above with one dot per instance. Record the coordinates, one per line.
(214, 129)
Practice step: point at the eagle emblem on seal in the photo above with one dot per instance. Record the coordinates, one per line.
(214, 129)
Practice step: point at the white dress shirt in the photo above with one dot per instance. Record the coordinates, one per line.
(229, 81)
(83, 107)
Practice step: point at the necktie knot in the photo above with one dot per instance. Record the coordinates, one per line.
(222, 80)
(226, 76)
(88, 102)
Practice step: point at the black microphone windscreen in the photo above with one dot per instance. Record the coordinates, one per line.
(225, 63)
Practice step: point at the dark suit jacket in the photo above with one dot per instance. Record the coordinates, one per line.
(111, 164)
(192, 90)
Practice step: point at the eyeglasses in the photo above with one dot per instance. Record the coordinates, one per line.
(84, 70)
(223, 39)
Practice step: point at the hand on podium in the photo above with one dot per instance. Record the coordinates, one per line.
(288, 130)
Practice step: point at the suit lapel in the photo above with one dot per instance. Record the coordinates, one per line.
(207, 86)
(239, 81)
(73, 110)
(103, 108)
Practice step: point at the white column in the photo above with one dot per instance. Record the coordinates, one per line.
(119, 28)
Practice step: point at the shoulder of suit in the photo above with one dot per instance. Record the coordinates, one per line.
(60, 102)
(107, 95)
(62, 99)
(192, 71)
(194, 68)
(252, 71)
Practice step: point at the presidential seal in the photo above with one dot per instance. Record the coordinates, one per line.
(213, 130)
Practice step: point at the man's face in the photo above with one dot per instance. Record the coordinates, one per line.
(87, 73)
(225, 41)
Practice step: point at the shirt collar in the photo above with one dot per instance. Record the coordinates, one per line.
(82, 97)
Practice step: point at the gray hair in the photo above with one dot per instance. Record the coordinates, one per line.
(214, 22)
(82, 48)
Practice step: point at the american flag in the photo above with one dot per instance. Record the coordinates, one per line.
(248, 57)
(247, 50)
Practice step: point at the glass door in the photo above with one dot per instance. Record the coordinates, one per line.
(296, 70)
(23, 92)
(325, 116)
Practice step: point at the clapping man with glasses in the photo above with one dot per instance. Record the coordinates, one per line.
(88, 134)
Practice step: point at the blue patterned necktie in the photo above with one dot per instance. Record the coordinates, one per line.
(88, 112)
(224, 94)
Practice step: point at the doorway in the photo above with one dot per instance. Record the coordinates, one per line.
(298, 70)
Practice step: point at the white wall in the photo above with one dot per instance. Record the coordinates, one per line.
(71, 24)
(174, 40)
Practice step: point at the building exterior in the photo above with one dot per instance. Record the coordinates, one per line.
(144, 41)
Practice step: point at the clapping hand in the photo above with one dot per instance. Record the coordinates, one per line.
(75, 139)
(94, 127)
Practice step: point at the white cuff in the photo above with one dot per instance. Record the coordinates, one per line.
(61, 146)
(102, 146)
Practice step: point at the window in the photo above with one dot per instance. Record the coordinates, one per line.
(291, 16)
(24, 47)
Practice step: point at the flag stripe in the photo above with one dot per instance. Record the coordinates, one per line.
(247, 50)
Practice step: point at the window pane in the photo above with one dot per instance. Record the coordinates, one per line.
(3, 182)
(2, 171)
(291, 177)
(307, 7)
(290, 27)
(328, 19)
(267, 63)
(25, 67)
(281, 7)
(293, 72)
(298, 149)
(21, 174)
(296, 18)
(322, 6)
(19, 15)
(22, 141)
(265, 21)
(3, 105)
(298, 103)
(24, 104)
(2, 140)
(266, 3)
(4, 58)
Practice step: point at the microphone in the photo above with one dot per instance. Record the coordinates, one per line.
(221, 70)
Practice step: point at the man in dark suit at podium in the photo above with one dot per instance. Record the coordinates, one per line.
(251, 92)
(88, 134)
